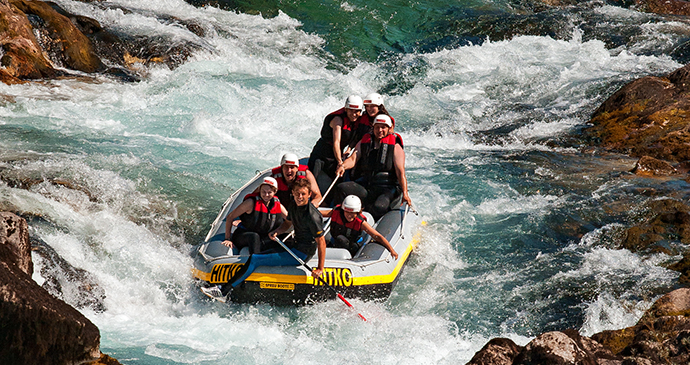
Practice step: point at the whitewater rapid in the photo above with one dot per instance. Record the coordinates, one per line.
(150, 163)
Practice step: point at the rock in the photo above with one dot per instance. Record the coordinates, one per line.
(498, 351)
(60, 274)
(683, 267)
(567, 347)
(670, 220)
(36, 327)
(61, 37)
(650, 166)
(675, 7)
(616, 340)
(648, 116)
(22, 56)
(675, 303)
(16, 249)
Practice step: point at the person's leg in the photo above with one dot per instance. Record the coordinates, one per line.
(381, 205)
(341, 242)
(264, 259)
(350, 188)
(242, 238)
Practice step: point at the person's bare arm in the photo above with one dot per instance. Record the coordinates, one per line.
(244, 208)
(399, 162)
(321, 247)
(378, 237)
(337, 126)
(315, 193)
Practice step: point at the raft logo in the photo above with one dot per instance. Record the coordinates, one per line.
(281, 286)
(335, 276)
(222, 273)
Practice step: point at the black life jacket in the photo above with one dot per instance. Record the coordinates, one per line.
(340, 226)
(262, 219)
(376, 165)
(350, 133)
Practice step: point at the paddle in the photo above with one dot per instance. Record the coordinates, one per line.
(323, 281)
(327, 191)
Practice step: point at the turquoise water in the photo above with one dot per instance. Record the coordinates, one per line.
(123, 179)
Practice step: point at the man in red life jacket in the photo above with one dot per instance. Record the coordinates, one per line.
(379, 169)
(347, 224)
(288, 172)
(341, 128)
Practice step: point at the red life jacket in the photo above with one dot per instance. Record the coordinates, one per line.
(376, 165)
(284, 193)
(262, 219)
(340, 226)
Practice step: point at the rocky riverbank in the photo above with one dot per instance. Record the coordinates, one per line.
(647, 118)
(40, 40)
(37, 327)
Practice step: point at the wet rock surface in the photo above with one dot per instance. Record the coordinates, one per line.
(647, 117)
(33, 30)
(37, 328)
(661, 336)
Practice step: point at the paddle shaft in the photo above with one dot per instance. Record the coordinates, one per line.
(321, 279)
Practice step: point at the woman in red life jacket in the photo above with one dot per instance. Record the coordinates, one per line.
(379, 169)
(260, 213)
(288, 172)
(340, 129)
(373, 105)
(347, 224)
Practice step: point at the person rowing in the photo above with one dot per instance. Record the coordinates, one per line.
(379, 169)
(309, 237)
(347, 225)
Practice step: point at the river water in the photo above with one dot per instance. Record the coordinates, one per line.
(123, 179)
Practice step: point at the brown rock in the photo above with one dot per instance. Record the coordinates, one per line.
(75, 48)
(498, 351)
(23, 57)
(670, 220)
(16, 250)
(616, 340)
(648, 116)
(676, 7)
(566, 347)
(650, 166)
(675, 303)
(36, 327)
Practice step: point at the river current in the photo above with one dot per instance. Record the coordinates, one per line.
(522, 223)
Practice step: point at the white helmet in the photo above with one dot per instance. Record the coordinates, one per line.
(354, 102)
(351, 203)
(270, 181)
(383, 119)
(373, 98)
(289, 159)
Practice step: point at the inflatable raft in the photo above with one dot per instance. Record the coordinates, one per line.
(370, 274)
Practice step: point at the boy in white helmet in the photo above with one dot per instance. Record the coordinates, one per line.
(289, 171)
(347, 224)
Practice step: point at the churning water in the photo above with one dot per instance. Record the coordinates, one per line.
(124, 178)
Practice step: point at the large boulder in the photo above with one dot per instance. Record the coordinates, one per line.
(566, 348)
(498, 351)
(661, 336)
(36, 327)
(61, 37)
(22, 56)
(669, 219)
(649, 116)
